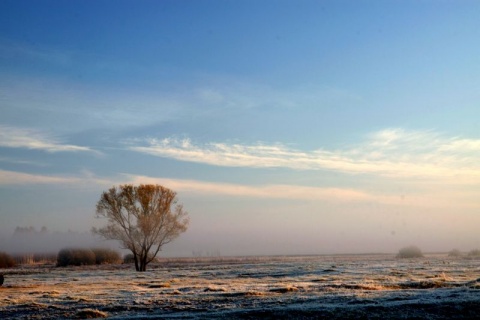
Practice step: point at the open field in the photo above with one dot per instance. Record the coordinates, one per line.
(362, 286)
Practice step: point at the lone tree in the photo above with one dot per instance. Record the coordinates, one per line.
(143, 218)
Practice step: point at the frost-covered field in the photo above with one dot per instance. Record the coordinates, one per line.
(373, 287)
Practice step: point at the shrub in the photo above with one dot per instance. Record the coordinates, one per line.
(128, 258)
(106, 256)
(26, 258)
(474, 253)
(75, 257)
(455, 253)
(35, 258)
(44, 257)
(410, 252)
(6, 261)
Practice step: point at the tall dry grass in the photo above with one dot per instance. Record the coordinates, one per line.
(6, 260)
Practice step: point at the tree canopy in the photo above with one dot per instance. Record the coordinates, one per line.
(143, 218)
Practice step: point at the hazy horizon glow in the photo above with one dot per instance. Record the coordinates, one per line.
(285, 127)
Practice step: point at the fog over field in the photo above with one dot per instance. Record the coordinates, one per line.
(285, 127)
(30, 240)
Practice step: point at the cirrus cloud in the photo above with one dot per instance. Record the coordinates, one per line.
(10, 178)
(14, 137)
(430, 198)
(391, 152)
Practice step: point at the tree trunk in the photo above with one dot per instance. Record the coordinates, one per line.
(143, 263)
(135, 258)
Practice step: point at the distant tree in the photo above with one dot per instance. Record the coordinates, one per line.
(24, 230)
(143, 218)
(410, 252)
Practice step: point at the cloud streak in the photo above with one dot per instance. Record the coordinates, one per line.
(263, 191)
(437, 198)
(21, 178)
(291, 192)
(391, 152)
(14, 137)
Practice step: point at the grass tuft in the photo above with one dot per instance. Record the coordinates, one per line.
(90, 314)
(6, 261)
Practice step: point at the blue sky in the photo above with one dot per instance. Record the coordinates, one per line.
(286, 127)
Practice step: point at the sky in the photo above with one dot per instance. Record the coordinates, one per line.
(285, 127)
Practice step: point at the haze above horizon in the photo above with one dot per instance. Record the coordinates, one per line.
(285, 127)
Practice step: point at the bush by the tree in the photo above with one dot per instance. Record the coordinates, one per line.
(128, 258)
(106, 256)
(75, 257)
(80, 257)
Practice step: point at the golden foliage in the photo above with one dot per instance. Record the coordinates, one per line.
(143, 218)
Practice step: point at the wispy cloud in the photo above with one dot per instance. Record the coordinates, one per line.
(192, 186)
(436, 198)
(22, 178)
(431, 198)
(22, 161)
(13, 137)
(391, 152)
(273, 191)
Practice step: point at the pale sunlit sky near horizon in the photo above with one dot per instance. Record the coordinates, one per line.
(285, 127)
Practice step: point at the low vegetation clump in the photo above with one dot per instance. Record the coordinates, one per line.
(410, 252)
(474, 253)
(128, 258)
(455, 253)
(106, 256)
(75, 257)
(6, 261)
(90, 314)
(81, 257)
(35, 258)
